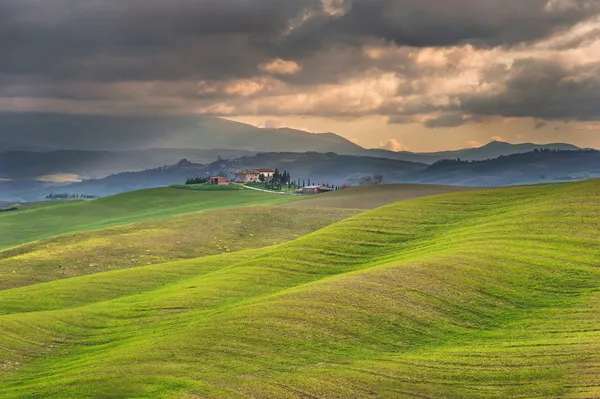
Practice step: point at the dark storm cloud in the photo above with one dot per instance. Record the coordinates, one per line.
(543, 89)
(451, 120)
(181, 55)
(423, 23)
(138, 39)
(157, 39)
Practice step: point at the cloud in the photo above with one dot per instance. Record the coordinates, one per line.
(590, 127)
(336, 8)
(394, 145)
(400, 119)
(59, 178)
(567, 5)
(441, 64)
(280, 67)
(236, 87)
(474, 144)
(448, 121)
(498, 138)
(539, 88)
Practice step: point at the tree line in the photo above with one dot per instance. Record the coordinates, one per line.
(196, 180)
(371, 180)
(70, 196)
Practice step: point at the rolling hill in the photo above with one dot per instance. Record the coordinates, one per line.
(47, 219)
(486, 294)
(247, 222)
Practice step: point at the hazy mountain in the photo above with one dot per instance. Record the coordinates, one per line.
(532, 167)
(83, 146)
(496, 149)
(29, 131)
(117, 133)
(315, 167)
(26, 165)
(528, 168)
(26, 190)
(492, 150)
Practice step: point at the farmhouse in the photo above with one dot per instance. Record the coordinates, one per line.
(253, 176)
(248, 176)
(314, 190)
(220, 180)
(268, 173)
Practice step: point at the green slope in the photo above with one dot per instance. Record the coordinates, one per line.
(491, 294)
(47, 220)
(371, 197)
(189, 236)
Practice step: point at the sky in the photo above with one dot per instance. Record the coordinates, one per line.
(418, 75)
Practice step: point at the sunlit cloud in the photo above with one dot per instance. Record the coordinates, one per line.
(59, 178)
(280, 67)
(394, 145)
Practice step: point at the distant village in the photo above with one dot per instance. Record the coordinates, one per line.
(269, 179)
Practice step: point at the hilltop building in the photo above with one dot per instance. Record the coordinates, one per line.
(218, 180)
(248, 176)
(253, 176)
(268, 173)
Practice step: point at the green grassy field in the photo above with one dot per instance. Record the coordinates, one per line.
(487, 294)
(189, 236)
(88, 249)
(261, 186)
(370, 197)
(49, 219)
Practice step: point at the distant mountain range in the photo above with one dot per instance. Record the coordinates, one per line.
(544, 166)
(98, 146)
(50, 132)
(312, 166)
(528, 168)
(52, 147)
(491, 150)
(328, 168)
(29, 165)
(171, 136)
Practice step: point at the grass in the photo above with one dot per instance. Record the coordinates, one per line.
(261, 186)
(158, 241)
(488, 294)
(209, 187)
(45, 220)
(370, 197)
(88, 250)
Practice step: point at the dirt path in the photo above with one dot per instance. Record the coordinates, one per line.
(265, 191)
